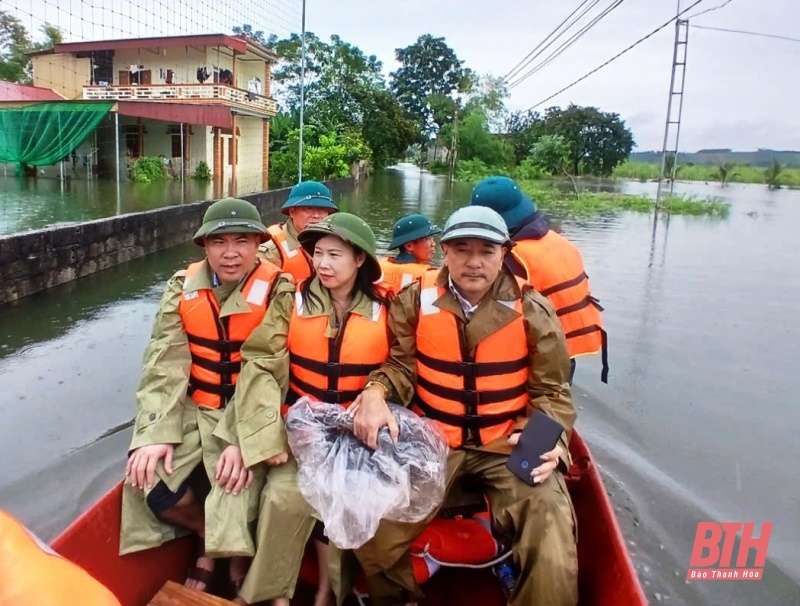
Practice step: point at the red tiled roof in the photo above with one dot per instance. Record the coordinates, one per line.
(11, 91)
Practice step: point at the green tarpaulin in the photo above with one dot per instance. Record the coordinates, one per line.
(45, 133)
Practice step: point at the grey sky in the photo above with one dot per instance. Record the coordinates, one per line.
(740, 90)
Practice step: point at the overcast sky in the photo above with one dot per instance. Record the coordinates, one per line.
(741, 91)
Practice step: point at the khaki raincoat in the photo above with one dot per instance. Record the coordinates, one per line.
(167, 415)
(286, 520)
(537, 521)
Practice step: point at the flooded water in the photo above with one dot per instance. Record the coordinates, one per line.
(697, 422)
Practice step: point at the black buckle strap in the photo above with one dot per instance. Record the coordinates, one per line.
(218, 345)
(564, 285)
(471, 397)
(224, 391)
(333, 369)
(221, 368)
(473, 369)
(586, 330)
(329, 396)
(585, 302)
(474, 422)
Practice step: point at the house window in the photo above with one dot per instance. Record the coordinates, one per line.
(132, 144)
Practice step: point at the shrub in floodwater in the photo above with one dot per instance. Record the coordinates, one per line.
(202, 172)
(147, 169)
(772, 174)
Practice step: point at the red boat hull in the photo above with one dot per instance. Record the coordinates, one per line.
(606, 573)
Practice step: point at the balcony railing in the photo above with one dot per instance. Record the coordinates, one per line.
(182, 92)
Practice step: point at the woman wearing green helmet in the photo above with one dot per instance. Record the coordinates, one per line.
(321, 342)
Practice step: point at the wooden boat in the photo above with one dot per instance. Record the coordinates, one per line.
(606, 573)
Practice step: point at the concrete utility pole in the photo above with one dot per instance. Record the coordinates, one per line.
(302, 92)
(674, 106)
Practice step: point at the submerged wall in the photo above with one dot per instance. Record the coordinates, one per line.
(36, 260)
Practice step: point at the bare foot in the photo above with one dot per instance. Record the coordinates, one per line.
(280, 602)
(200, 578)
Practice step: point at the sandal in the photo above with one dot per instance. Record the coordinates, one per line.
(202, 575)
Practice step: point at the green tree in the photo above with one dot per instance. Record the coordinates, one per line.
(15, 44)
(551, 153)
(428, 67)
(598, 141)
(246, 30)
(475, 142)
(345, 93)
(522, 129)
(385, 127)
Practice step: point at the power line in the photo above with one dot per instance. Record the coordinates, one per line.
(565, 45)
(739, 31)
(617, 56)
(713, 8)
(525, 60)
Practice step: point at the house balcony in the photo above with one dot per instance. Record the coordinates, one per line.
(243, 101)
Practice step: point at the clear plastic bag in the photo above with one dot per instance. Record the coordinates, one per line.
(353, 487)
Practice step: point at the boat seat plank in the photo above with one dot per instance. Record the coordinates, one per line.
(174, 594)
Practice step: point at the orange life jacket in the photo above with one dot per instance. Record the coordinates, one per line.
(215, 343)
(554, 267)
(293, 261)
(485, 392)
(334, 370)
(35, 575)
(399, 275)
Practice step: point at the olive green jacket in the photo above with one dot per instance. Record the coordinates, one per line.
(166, 414)
(256, 425)
(548, 373)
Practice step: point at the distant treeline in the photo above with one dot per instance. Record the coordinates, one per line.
(715, 157)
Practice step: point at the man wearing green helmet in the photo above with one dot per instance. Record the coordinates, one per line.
(413, 235)
(309, 202)
(478, 351)
(190, 371)
(319, 343)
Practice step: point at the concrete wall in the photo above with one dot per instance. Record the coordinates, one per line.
(36, 260)
(63, 73)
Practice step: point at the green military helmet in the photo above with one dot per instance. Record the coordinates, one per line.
(351, 229)
(309, 193)
(410, 228)
(230, 216)
(476, 222)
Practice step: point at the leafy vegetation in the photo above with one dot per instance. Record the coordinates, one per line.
(147, 169)
(16, 43)
(202, 172)
(724, 173)
(550, 197)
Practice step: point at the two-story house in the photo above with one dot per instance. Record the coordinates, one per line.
(186, 98)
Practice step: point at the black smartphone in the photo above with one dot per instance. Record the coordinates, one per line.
(540, 435)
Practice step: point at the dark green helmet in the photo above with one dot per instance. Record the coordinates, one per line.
(351, 229)
(230, 216)
(309, 193)
(410, 228)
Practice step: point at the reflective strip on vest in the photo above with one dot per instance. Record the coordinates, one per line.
(334, 370)
(474, 399)
(293, 261)
(214, 342)
(554, 267)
